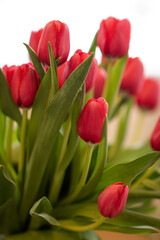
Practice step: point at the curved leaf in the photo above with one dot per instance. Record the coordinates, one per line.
(36, 62)
(126, 172)
(7, 105)
(7, 186)
(41, 211)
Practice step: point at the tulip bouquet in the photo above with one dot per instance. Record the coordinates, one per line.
(60, 177)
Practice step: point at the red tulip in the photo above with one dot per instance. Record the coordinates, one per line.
(148, 97)
(99, 83)
(8, 72)
(57, 33)
(155, 137)
(24, 85)
(34, 39)
(31, 65)
(133, 74)
(113, 37)
(91, 120)
(112, 200)
(75, 61)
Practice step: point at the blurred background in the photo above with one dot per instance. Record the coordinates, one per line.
(18, 18)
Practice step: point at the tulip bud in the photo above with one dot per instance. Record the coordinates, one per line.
(148, 97)
(132, 78)
(8, 72)
(112, 200)
(31, 65)
(34, 39)
(113, 37)
(57, 33)
(155, 137)
(75, 61)
(24, 85)
(91, 120)
(99, 83)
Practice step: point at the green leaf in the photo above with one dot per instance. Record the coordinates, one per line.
(40, 104)
(89, 235)
(2, 133)
(115, 80)
(54, 76)
(100, 163)
(128, 230)
(41, 214)
(7, 105)
(53, 119)
(7, 186)
(129, 154)
(93, 45)
(126, 172)
(36, 62)
(140, 193)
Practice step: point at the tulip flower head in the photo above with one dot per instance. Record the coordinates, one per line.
(57, 33)
(99, 83)
(91, 120)
(133, 75)
(34, 39)
(24, 85)
(149, 95)
(60, 71)
(112, 200)
(75, 61)
(155, 137)
(113, 37)
(8, 72)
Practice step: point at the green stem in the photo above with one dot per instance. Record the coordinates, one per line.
(73, 196)
(84, 228)
(146, 174)
(22, 138)
(107, 82)
(58, 177)
(9, 142)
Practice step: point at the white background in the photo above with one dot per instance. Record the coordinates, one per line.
(19, 18)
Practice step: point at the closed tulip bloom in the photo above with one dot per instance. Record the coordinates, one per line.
(99, 83)
(24, 85)
(113, 37)
(112, 200)
(75, 61)
(133, 76)
(8, 72)
(155, 137)
(148, 97)
(91, 120)
(57, 33)
(34, 39)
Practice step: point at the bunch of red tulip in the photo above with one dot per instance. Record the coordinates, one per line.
(58, 171)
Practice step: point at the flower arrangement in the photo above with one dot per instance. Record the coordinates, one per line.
(60, 177)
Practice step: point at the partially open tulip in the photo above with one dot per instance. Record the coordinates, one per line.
(91, 120)
(112, 200)
(24, 85)
(8, 72)
(57, 33)
(113, 37)
(133, 75)
(155, 137)
(75, 61)
(99, 83)
(149, 95)
(34, 39)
